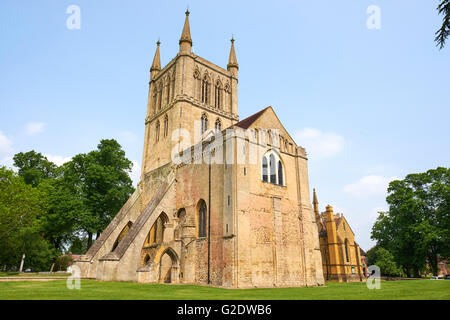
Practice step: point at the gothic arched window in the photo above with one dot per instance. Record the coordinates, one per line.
(155, 96)
(272, 168)
(159, 99)
(205, 89)
(173, 86)
(204, 123)
(166, 125)
(202, 219)
(218, 125)
(346, 250)
(218, 95)
(168, 91)
(157, 131)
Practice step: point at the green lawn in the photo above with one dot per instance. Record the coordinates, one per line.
(91, 289)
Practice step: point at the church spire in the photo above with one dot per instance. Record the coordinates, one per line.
(232, 66)
(185, 40)
(156, 65)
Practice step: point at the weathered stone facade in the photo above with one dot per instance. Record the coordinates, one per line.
(235, 212)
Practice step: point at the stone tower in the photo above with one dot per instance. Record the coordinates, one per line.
(186, 89)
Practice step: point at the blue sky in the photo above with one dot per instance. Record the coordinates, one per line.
(370, 105)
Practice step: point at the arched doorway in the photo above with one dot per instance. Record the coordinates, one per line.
(168, 267)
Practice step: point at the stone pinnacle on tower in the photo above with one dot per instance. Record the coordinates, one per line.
(156, 65)
(315, 202)
(232, 66)
(185, 40)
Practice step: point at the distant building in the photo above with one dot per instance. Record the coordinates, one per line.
(342, 258)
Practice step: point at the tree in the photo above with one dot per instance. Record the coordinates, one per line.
(21, 208)
(384, 260)
(61, 211)
(100, 180)
(416, 229)
(34, 167)
(442, 34)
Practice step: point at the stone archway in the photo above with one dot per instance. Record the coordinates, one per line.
(168, 267)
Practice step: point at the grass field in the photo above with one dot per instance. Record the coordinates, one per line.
(91, 289)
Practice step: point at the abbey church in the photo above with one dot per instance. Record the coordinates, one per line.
(221, 201)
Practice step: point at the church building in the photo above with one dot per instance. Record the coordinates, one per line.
(342, 258)
(221, 201)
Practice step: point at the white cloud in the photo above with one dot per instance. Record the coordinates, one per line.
(58, 160)
(135, 172)
(34, 127)
(320, 144)
(369, 186)
(5, 144)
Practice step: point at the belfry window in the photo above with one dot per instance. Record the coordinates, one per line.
(173, 87)
(218, 95)
(202, 219)
(157, 131)
(272, 168)
(205, 87)
(168, 92)
(155, 97)
(204, 125)
(166, 126)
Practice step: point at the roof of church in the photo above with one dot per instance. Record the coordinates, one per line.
(247, 122)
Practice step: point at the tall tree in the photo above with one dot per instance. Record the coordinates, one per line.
(442, 34)
(100, 179)
(416, 227)
(34, 167)
(21, 208)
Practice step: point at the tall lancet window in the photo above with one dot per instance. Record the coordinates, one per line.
(218, 95)
(155, 97)
(166, 126)
(204, 124)
(205, 89)
(168, 91)
(346, 250)
(157, 131)
(159, 99)
(173, 86)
